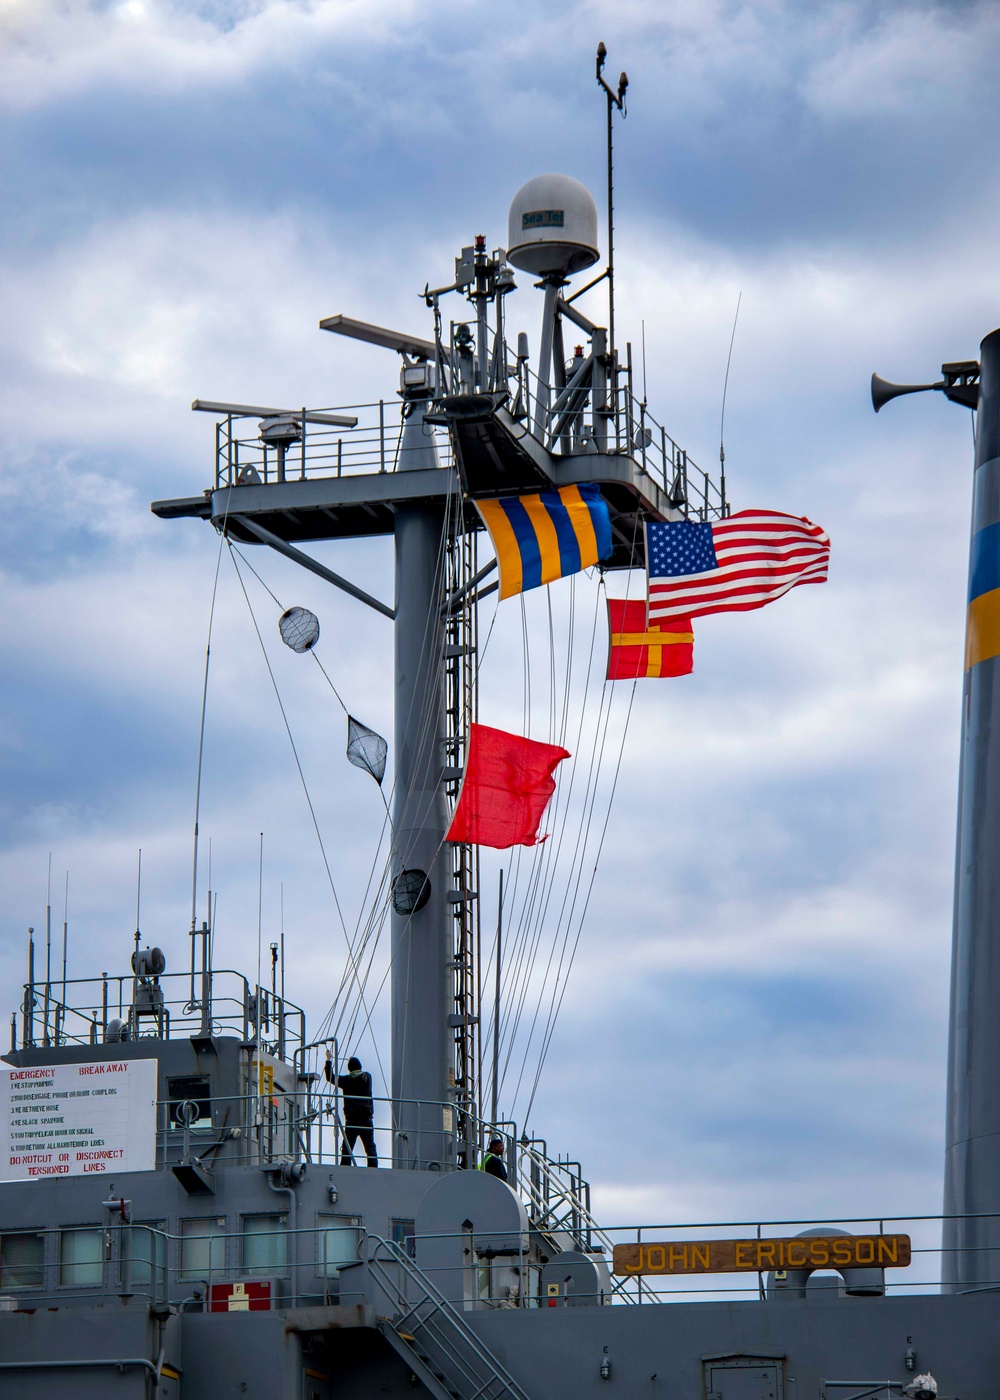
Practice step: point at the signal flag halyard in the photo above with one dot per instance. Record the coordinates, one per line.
(507, 785)
(731, 565)
(547, 535)
(636, 651)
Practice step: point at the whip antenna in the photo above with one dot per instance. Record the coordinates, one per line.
(722, 420)
(616, 102)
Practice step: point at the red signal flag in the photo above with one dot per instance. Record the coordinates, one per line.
(507, 785)
(636, 650)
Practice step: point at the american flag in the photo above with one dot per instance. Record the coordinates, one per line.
(731, 565)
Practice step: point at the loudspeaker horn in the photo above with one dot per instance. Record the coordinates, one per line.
(883, 390)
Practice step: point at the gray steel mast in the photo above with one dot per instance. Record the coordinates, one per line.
(421, 939)
(972, 1144)
(971, 1231)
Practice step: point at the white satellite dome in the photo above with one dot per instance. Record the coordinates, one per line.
(552, 227)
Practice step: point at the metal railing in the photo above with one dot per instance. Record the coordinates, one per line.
(433, 1328)
(80, 1011)
(332, 1260)
(373, 445)
(571, 427)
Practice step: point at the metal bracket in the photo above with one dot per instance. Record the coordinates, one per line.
(313, 565)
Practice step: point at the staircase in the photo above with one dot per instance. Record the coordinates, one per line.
(431, 1335)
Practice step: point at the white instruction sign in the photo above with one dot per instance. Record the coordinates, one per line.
(68, 1120)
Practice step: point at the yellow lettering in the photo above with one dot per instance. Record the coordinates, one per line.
(765, 1253)
(743, 1259)
(888, 1250)
(799, 1260)
(636, 1268)
(781, 1253)
(656, 1259)
(865, 1251)
(678, 1257)
(819, 1252)
(842, 1252)
(701, 1256)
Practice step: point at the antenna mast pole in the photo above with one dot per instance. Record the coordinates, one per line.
(615, 100)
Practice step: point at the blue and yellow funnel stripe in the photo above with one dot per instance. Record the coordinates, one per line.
(982, 626)
(545, 536)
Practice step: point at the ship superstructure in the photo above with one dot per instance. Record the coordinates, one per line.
(179, 1218)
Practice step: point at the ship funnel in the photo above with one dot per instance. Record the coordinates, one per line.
(552, 227)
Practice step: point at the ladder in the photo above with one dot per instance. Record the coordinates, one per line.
(460, 663)
(431, 1334)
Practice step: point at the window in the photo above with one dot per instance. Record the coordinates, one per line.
(81, 1258)
(190, 1088)
(203, 1247)
(148, 1254)
(21, 1260)
(337, 1243)
(403, 1236)
(265, 1244)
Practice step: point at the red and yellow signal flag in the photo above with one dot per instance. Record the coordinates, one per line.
(506, 787)
(638, 649)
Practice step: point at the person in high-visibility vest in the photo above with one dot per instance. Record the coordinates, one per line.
(493, 1160)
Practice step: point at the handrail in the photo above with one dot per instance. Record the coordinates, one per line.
(440, 1304)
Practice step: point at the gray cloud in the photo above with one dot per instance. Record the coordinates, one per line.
(194, 187)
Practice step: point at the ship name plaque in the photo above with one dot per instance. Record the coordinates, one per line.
(754, 1256)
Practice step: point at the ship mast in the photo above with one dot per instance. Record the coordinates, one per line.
(476, 424)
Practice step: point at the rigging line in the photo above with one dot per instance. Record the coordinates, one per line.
(426, 734)
(543, 866)
(537, 855)
(552, 670)
(201, 727)
(298, 765)
(359, 942)
(559, 738)
(315, 657)
(381, 986)
(575, 885)
(381, 792)
(377, 918)
(278, 603)
(591, 793)
(565, 920)
(348, 1023)
(532, 939)
(586, 905)
(313, 654)
(576, 861)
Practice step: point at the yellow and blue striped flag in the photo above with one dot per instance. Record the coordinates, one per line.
(547, 535)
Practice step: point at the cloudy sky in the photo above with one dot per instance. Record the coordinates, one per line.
(756, 1020)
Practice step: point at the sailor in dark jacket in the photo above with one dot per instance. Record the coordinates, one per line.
(356, 1088)
(493, 1160)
